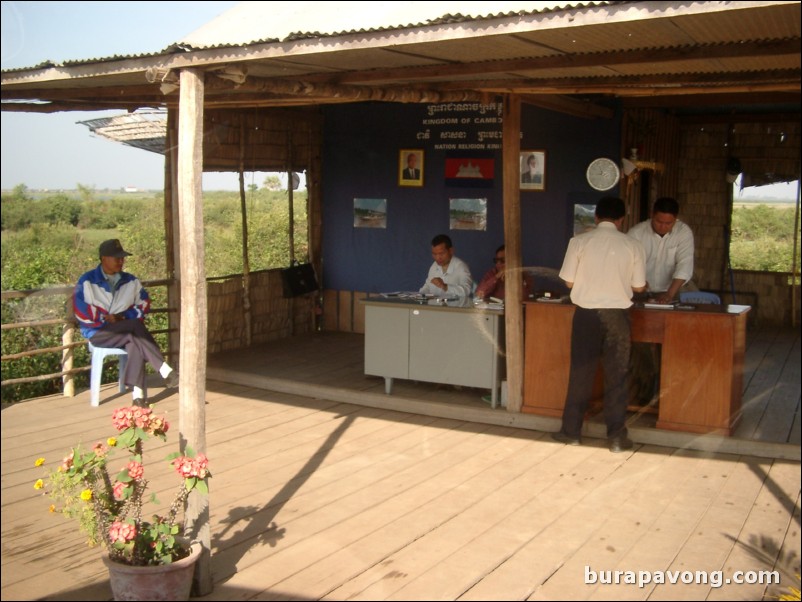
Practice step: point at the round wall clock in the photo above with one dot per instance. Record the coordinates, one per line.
(603, 173)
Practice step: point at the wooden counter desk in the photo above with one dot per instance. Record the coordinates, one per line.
(701, 370)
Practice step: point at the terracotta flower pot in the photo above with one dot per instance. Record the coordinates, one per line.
(165, 582)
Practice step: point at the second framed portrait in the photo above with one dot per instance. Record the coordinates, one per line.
(410, 167)
(533, 170)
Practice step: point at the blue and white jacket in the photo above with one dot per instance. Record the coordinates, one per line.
(93, 300)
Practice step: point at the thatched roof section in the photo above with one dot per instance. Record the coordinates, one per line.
(143, 129)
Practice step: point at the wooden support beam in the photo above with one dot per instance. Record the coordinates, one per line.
(192, 391)
(513, 289)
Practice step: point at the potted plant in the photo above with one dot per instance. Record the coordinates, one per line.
(109, 509)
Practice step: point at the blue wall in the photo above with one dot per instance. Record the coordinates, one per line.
(360, 160)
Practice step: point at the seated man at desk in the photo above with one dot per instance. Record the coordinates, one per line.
(448, 275)
(492, 283)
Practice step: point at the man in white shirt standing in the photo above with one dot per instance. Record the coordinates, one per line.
(448, 275)
(603, 268)
(668, 243)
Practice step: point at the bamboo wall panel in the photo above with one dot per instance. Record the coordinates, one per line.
(705, 199)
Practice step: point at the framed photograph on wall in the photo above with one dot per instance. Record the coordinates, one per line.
(584, 218)
(410, 167)
(370, 213)
(533, 170)
(467, 214)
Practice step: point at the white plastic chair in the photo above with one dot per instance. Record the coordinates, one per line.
(700, 297)
(99, 355)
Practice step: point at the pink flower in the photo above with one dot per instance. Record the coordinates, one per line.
(120, 531)
(124, 418)
(200, 466)
(157, 425)
(118, 489)
(183, 466)
(66, 463)
(135, 470)
(192, 467)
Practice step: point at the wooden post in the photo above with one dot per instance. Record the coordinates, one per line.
(172, 249)
(194, 319)
(513, 304)
(68, 355)
(246, 263)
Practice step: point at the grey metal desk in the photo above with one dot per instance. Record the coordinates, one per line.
(455, 343)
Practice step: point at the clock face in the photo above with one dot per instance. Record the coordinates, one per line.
(603, 174)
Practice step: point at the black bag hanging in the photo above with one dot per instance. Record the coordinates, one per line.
(299, 280)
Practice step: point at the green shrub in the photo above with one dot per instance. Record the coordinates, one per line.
(763, 239)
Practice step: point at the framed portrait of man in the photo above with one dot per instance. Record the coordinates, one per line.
(410, 167)
(533, 170)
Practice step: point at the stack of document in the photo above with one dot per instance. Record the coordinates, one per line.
(407, 295)
(658, 305)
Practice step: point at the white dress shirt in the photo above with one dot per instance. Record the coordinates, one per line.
(668, 257)
(604, 266)
(457, 276)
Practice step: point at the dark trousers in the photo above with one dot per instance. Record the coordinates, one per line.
(599, 334)
(140, 345)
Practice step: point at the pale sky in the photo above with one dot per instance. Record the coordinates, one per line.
(33, 32)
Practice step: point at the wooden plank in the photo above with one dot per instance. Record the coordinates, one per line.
(597, 530)
(345, 313)
(359, 312)
(767, 529)
(331, 310)
(765, 359)
(783, 397)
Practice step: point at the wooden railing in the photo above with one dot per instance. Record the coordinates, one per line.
(234, 322)
(69, 330)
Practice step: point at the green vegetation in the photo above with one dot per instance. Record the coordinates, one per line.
(50, 240)
(763, 238)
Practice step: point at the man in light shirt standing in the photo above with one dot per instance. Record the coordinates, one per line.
(668, 243)
(603, 268)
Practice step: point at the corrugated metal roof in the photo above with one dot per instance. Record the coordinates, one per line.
(262, 22)
(310, 53)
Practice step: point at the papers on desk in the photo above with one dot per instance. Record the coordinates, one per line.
(491, 305)
(549, 300)
(407, 295)
(658, 306)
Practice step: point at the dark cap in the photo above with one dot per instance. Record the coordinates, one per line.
(112, 248)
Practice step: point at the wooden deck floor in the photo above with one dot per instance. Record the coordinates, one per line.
(331, 366)
(322, 499)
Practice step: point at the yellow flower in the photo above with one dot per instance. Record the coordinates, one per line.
(86, 495)
(39, 462)
(39, 484)
(111, 441)
(52, 508)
